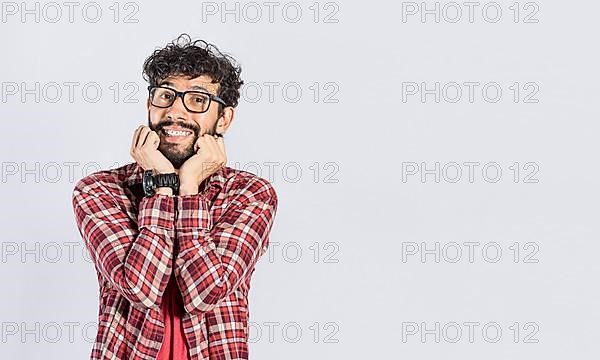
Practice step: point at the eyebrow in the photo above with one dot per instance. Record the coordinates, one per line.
(195, 87)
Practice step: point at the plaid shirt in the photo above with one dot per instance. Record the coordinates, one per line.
(211, 242)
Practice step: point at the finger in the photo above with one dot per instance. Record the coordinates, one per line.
(152, 140)
(208, 146)
(203, 131)
(215, 148)
(221, 144)
(140, 135)
(200, 144)
(143, 135)
(211, 144)
(136, 134)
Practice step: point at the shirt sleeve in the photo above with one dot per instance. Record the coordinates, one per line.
(214, 259)
(134, 258)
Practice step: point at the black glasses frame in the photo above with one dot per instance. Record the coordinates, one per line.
(181, 94)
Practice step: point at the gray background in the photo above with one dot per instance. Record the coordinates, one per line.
(364, 293)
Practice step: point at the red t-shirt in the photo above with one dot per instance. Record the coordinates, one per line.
(174, 346)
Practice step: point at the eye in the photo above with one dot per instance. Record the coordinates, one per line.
(199, 99)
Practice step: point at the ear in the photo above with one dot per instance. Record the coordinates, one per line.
(225, 120)
(148, 103)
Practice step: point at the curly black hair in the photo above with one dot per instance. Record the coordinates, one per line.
(195, 58)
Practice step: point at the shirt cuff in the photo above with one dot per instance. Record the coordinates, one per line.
(193, 212)
(157, 210)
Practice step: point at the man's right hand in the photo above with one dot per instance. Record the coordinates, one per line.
(144, 150)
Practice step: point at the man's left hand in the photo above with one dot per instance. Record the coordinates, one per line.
(210, 156)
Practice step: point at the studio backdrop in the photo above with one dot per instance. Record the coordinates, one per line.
(435, 164)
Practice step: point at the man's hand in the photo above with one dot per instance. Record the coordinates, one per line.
(144, 151)
(210, 156)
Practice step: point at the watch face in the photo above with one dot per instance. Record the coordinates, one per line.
(148, 183)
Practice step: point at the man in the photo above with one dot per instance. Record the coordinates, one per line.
(175, 235)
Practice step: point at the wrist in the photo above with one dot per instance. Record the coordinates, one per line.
(162, 171)
(165, 190)
(188, 186)
(188, 189)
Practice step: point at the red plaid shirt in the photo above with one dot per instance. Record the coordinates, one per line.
(210, 241)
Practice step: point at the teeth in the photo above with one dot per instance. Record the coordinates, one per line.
(177, 132)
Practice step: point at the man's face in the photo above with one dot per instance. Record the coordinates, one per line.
(178, 148)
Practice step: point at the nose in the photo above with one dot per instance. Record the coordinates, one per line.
(177, 110)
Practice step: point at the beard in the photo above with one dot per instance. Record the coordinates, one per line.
(177, 154)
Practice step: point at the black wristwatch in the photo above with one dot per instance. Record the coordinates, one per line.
(151, 182)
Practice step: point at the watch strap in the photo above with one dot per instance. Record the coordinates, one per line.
(167, 180)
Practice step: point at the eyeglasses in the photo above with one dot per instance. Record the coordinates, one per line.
(193, 101)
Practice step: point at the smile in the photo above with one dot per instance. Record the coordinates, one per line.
(170, 132)
(175, 135)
